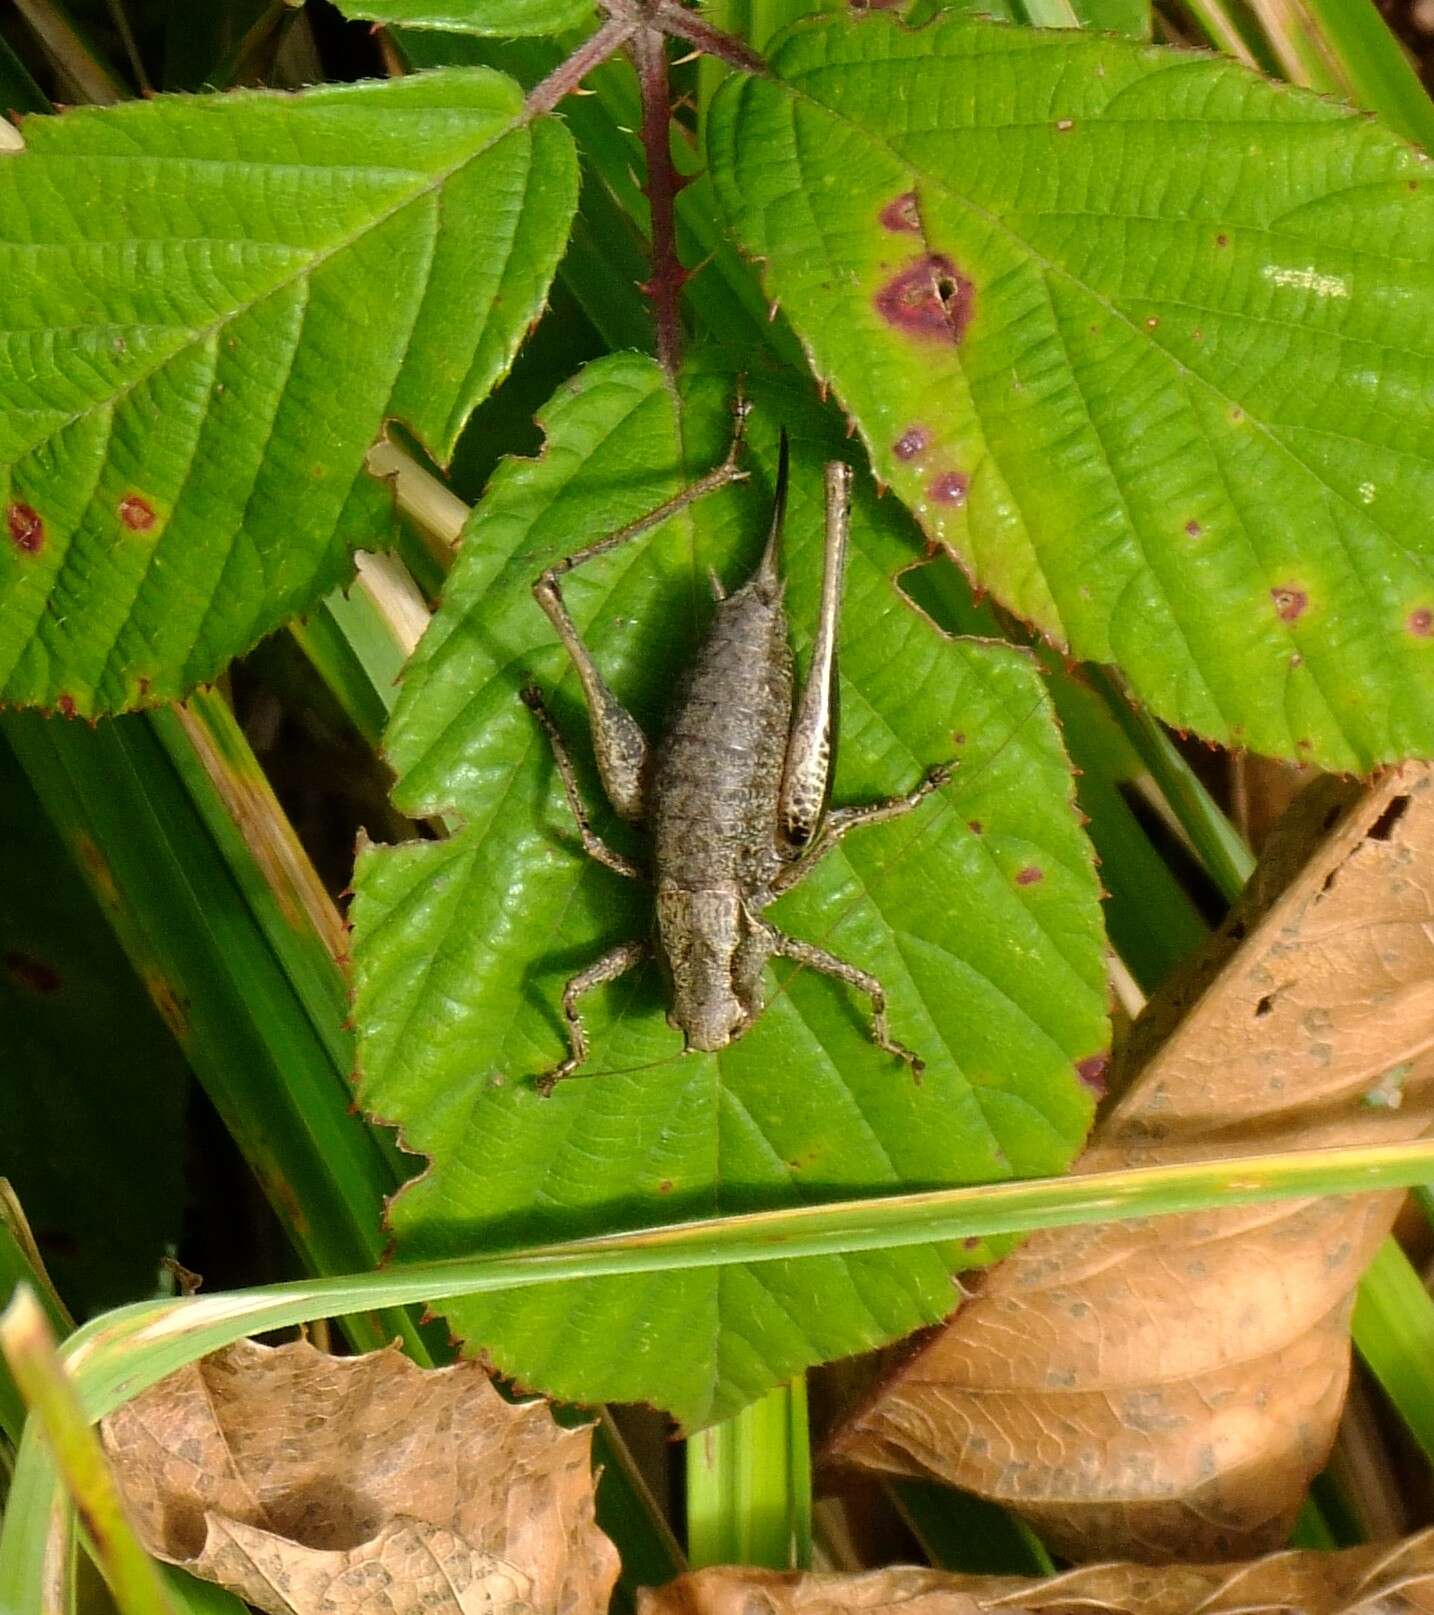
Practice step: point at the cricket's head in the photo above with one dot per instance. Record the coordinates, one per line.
(706, 944)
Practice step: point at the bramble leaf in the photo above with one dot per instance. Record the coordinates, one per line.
(1143, 338)
(979, 912)
(502, 18)
(211, 306)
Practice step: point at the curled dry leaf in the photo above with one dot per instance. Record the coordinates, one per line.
(305, 1482)
(1384, 1579)
(1166, 1389)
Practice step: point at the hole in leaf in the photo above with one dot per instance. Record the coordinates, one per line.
(1383, 826)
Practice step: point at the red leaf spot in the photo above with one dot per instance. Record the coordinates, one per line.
(971, 1242)
(1290, 603)
(1222, 240)
(1421, 622)
(1194, 529)
(66, 703)
(26, 528)
(975, 826)
(665, 1187)
(31, 972)
(931, 299)
(1237, 414)
(901, 214)
(1091, 1072)
(136, 513)
(1029, 875)
(949, 488)
(911, 442)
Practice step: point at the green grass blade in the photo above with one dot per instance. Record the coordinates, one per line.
(1345, 48)
(78, 60)
(1394, 1334)
(28, 1344)
(117, 1356)
(279, 1084)
(1218, 845)
(749, 1486)
(19, 1265)
(122, 1352)
(18, 91)
(964, 1533)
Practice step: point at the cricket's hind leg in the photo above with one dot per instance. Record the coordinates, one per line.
(840, 822)
(616, 962)
(623, 754)
(807, 953)
(593, 844)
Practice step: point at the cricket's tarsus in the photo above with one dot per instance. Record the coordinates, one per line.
(735, 795)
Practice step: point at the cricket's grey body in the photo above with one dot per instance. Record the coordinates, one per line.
(735, 795)
(715, 794)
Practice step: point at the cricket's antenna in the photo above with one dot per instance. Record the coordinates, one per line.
(767, 570)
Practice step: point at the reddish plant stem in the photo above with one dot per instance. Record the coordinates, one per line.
(664, 287)
(568, 74)
(674, 18)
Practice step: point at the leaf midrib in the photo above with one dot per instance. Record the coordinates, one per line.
(198, 335)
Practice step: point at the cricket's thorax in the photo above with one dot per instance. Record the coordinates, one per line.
(714, 801)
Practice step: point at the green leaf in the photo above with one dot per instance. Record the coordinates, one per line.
(1143, 338)
(979, 913)
(1114, 16)
(501, 18)
(211, 305)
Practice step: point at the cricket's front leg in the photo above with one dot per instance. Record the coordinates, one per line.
(807, 953)
(617, 962)
(593, 843)
(840, 822)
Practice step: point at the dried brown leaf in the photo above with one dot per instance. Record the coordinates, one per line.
(1383, 1579)
(309, 1483)
(1166, 1389)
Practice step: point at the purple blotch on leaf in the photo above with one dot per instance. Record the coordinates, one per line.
(931, 299)
(1091, 1072)
(1290, 602)
(949, 488)
(911, 442)
(1421, 622)
(27, 529)
(1029, 875)
(136, 512)
(900, 214)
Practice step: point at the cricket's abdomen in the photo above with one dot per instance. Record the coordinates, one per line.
(720, 765)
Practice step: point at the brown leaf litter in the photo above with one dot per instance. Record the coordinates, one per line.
(309, 1483)
(1165, 1389)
